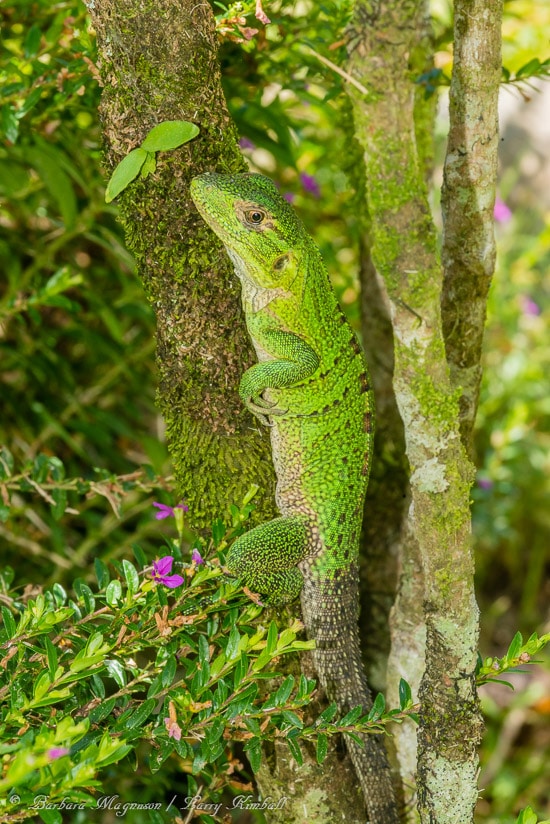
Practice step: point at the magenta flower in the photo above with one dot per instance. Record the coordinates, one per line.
(57, 752)
(502, 212)
(485, 483)
(168, 511)
(310, 184)
(528, 306)
(161, 573)
(289, 197)
(246, 143)
(196, 557)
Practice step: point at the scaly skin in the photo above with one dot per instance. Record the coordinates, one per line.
(311, 387)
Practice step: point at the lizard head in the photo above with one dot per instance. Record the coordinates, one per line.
(259, 229)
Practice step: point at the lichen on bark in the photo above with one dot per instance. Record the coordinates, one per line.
(382, 38)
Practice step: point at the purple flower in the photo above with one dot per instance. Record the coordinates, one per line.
(528, 306)
(246, 143)
(168, 511)
(196, 557)
(310, 184)
(57, 752)
(289, 197)
(485, 483)
(502, 212)
(161, 573)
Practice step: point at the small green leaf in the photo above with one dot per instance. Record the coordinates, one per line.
(9, 622)
(102, 573)
(126, 171)
(328, 714)
(253, 749)
(272, 635)
(294, 748)
(322, 746)
(232, 649)
(169, 135)
(515, 646)
(405, 695)
(113, 593)
(131, 575)
(167, 674)
(141, 714)
(378, 707)
(116, 671)
(283, 693)
(293, 719)
(51, 652)
(352, 716)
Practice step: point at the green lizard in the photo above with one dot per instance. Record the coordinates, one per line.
(311, 387)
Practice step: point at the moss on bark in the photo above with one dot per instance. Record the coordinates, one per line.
(158, 62)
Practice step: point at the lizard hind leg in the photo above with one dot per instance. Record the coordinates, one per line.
(266, 558)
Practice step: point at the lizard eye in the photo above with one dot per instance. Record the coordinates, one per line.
(255, 216)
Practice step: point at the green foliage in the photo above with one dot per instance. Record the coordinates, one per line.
(517, 656)
(90, 677)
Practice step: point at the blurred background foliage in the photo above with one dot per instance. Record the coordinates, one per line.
(82, 442)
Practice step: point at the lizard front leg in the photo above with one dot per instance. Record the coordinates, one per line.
(291, 360)
(265, 558)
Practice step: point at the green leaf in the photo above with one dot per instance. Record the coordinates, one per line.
(515, 646)
(116, 671)
(293, 719)
(131, 575)
(51, 816)
(47, 162)
(352, 716)
(272, 635)
(169, 135)
(328, 714)
(283, 693)
(9, 123)
(9, 622)
(141, 714)
(322, 747)
(378, 707)
(102, 573)
(167, 674)
(253, 749)
(405, 695)
(232, 649)
(126, 171)
(218, 531)
(113, 593)
(294, 748)
(51, 652)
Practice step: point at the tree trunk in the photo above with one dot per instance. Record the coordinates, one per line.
(468, 195)
(381, 39)
(159, 62)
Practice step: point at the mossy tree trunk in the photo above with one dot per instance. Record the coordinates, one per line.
(438, 566)
(158, 61)
(468, 196)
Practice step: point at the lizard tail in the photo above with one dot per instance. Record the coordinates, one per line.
(330, 614)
